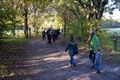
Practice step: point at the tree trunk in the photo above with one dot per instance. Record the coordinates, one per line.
(65, 26)
(65, 22)
(26, 23)
(1, 35)
(2, 29)
(37, 31)
(29, 32)
(13, 31)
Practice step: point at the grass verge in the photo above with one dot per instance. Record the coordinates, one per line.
(13, 40)
(112, 58)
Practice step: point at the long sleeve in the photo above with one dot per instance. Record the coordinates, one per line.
(95, 43)
(67, 47)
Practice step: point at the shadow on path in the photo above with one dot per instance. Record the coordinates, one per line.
(50, 62)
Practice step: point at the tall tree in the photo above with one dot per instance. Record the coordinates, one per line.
(7, 16)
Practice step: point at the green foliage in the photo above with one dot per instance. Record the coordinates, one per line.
(112, 58)
(79, 29)
(7, 17)
(13, 41)
(105, 40)
(12, 14)
(115, 4)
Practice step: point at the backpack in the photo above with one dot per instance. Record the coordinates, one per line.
(76, 50)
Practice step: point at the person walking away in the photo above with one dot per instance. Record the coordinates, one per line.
(94, 47)
(98, 61)
(57, 31)
(71, 48)
(49, 35)
(91, 53)
(53, 36)
(43, 35)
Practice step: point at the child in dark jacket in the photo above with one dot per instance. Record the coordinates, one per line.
(72, 48)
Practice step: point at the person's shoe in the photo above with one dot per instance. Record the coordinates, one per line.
(73, 65)
(98, 72)
(92, 67)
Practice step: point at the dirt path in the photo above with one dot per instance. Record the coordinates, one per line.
(49, 62)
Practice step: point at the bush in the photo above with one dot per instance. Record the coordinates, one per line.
(106, 42)
(78, 29)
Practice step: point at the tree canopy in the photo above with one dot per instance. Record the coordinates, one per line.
(35, 14)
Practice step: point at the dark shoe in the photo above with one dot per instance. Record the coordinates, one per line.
(98, 72)
(92, 67)
(73, 65)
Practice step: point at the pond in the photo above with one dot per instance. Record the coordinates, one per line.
(112, 30)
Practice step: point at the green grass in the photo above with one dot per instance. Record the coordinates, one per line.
(112, 58)
(118, 45)
(13, 40)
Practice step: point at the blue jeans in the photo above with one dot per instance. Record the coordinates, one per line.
(97, 66)
(72, 61)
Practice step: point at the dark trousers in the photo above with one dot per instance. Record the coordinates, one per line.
(72, 61)
(54, 38)
(43, 37)
(92, 56)
(49, 39)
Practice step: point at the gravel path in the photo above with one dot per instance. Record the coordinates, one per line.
(49, 62)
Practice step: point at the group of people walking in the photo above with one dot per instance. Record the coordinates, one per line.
(95, 53)
(51, 35)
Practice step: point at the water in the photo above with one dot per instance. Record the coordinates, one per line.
(113, 30)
